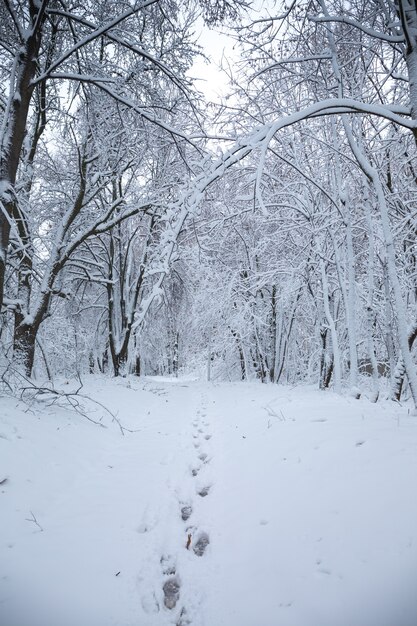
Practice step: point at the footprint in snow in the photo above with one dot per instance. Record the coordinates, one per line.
(207, 437)
(186, 512)
(201, 544)
(203, 457)
(168, 565)
(204, 491)
(195, 471)
(171, 589)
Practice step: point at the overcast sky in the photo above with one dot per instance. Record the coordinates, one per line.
(216, 45)
(211, 80)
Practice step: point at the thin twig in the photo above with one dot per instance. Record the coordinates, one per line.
(35, 521)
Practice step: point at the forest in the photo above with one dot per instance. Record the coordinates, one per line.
(145, 230)
(208, 312)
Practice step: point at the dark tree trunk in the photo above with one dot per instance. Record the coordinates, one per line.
(258, 364)
(137, 363)
(326, 362)
(24, 346)
(105, 360)
(241, 355)
(273, 333)
(329, 372)
(323, 337)
(16, 129)
(119, 360)
(91, 362)
(399, 373)
(4, 242)
(175, 356)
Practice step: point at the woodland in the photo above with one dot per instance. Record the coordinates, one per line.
(146, 230)
(208, 312)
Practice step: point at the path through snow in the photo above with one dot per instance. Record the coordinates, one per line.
(230, 505)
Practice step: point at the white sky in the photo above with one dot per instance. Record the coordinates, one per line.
(212, 81)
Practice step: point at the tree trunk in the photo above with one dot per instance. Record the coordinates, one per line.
(284, 340)
(241, 354)
(137, 362)
(24, 346)
(273, 333)
(370, 296)
(175, 355)
(137, 369)
(333, 331)
(21, 94)
(408, 15)
(323, 338)
(91, 362)
(399, 371)
(329, 371)
(399, 302)
(351, 300)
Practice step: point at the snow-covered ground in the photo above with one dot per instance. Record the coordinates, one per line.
(301, 507)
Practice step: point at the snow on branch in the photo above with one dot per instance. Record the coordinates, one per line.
(260, 138)
(365, 29)
(150, 117)
(98, 32)
(73, 400)
(140, 51)
(15, 20)
(325, 56)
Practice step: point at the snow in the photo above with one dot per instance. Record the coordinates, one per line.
(307, 515)
(6, 190)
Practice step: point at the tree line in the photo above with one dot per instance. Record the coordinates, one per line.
(145, 230)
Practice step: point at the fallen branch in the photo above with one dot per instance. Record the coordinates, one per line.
(58, 397)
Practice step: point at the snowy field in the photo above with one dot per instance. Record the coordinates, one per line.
(300, 509)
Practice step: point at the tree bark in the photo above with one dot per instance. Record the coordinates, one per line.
(21, 91)
(24, 346)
